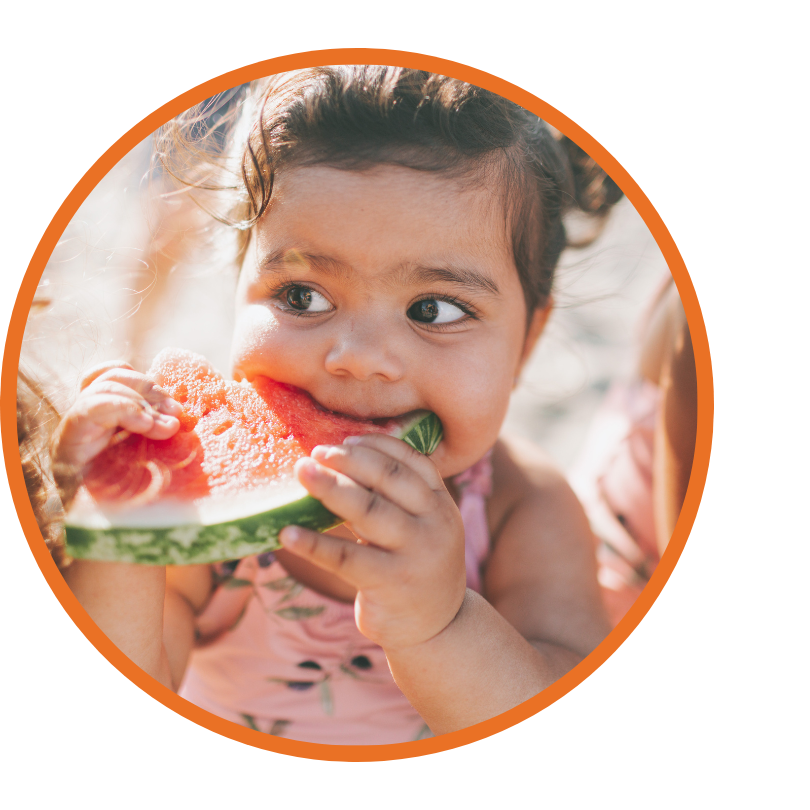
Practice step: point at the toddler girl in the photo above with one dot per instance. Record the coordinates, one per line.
(398, 238)
(634, 486)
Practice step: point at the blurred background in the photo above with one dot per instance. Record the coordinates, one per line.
(101, 297)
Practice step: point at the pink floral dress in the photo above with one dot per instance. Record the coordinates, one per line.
(282, 659)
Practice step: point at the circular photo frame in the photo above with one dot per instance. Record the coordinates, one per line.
(657, 579)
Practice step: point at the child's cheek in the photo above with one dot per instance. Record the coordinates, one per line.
(254, 337)
(472, 423)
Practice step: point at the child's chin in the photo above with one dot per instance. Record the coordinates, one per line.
(447, 462)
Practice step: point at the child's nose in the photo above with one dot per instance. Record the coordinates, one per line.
(365, 353)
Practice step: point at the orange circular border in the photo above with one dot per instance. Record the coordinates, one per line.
(357, 753)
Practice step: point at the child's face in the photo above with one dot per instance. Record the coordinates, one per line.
(382, 292)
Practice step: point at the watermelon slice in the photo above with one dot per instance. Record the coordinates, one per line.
(223, 487)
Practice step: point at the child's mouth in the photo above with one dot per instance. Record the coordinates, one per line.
(356, 416)
(380, 421)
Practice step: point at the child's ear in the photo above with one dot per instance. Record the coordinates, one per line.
(536, 326)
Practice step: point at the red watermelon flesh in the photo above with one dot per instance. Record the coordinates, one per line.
(233, 437)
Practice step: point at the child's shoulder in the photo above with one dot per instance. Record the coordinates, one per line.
(541, 573)
(525, 477)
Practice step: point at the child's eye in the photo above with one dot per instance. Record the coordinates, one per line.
(432, 310)
(304, 299)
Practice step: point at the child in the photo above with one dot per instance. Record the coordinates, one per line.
(400, 232)
(633, 474)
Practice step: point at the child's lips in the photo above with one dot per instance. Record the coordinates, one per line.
(356, 413)
(364, 415)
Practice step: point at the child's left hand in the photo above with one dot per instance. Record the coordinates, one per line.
(408, 562)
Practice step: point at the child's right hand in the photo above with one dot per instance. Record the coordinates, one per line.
(114, 397)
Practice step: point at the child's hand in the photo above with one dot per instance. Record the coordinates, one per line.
(114, 397)
(408, 564)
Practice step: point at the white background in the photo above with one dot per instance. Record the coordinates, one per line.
(705, 704)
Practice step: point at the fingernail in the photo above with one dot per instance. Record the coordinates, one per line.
(164, 419)
(308, 465)
(352, 440)
(289, 535)
(170, 407)
(323, 451)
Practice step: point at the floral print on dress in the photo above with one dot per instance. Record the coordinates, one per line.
(354, 667)
(276, 728)
(283, 660)
(240, 583)
(235, 586)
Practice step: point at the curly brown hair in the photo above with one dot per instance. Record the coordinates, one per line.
(49, 489)
(354, 117)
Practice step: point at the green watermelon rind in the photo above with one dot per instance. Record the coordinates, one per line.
(195, 544)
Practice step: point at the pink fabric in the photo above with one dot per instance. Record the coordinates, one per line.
(614, 482)
(278, 657)
(475, 486)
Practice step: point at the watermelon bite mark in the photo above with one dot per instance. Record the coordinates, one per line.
(223, 486)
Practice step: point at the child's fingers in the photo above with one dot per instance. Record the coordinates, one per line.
(372, 516)
(103, 414)
(102, 389)
(131, 383)
(360, 565)
(380, 472)
(138, 417)
(402, 452)
(89, 426)
(96, 371)
(128, 414)
(163, 427)
(113, 410)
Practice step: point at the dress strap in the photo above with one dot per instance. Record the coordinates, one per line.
(475, 486)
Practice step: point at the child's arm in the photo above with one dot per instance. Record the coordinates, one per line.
(146, 613)
(125, 601)
(457, 657)
(676, 429)
(188, 588)
(542, 613)
(667, 359)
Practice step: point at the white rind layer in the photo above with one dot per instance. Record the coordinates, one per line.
(210, 529)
